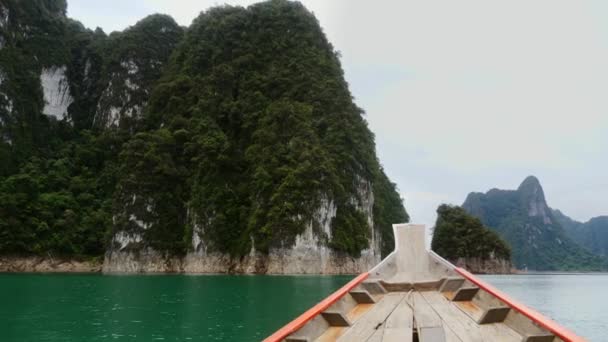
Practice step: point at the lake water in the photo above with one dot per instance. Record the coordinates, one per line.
(54, 307)
(38, 307)
(577, 301)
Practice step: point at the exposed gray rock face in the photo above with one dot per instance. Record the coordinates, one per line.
(4, 21)
(531, 189)
(4, 13)
(366, 205)
(131, 71)
(123, 97)
(56, 91)
(309, 254)
(287, 261)
(5, 102)
(485, 266)
(6, 110)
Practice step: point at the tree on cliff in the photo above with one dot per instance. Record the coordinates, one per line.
(460, 235)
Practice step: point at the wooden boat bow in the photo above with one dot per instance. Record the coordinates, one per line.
(415, 295)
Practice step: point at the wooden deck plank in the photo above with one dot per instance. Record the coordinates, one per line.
(469, 308)
(402, 316)
(451, 336)
(431, 334)
(428, 324)
(377, 336)
(367, 324)
(437, 319)
(424, 314)
(504, 333)
(404, 334)
(358, 311)
(457, 320)
(331, 334)
(462, 325)
(399, 324)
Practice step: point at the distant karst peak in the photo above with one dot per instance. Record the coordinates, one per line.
(535, 231)
(531, 182)
(533, 195)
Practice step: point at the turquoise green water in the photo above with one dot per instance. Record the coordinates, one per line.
(67, 307)
(46, 307)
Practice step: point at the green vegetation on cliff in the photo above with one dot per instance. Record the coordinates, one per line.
(240, 131)
(57, 175)
(60, 204)
(264, 135)
(460, 235)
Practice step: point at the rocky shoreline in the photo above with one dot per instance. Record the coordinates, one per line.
(39, 264)
(217, 265)
(485, 266)
(288, 261)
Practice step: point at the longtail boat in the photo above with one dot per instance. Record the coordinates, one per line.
(416, 295)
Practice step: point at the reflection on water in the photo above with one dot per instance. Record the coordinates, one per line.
(147, 308)
(577, 301)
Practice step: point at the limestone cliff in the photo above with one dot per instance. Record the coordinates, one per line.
(52, 65)
(309, 254)
(262, 161)
(134, 62)
(56, 91)
(233, 145)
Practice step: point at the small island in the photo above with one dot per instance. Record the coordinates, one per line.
(466, 242)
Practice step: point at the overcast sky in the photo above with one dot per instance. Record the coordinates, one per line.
(462, 95)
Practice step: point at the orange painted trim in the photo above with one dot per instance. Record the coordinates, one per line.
(552, 326)
(304, 318)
